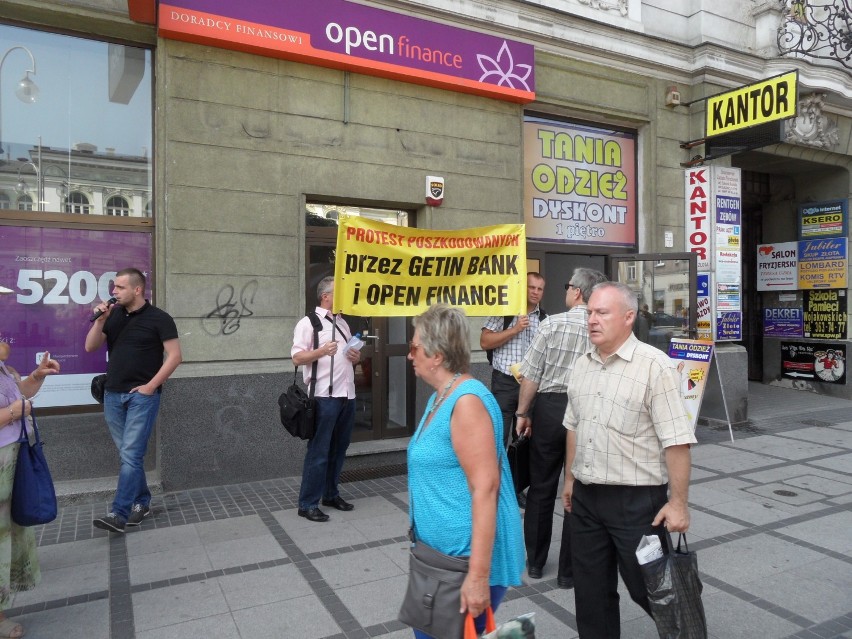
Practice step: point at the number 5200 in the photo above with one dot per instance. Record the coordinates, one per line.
(81, 287)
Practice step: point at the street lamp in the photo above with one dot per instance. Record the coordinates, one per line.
(62, 188)
(25, 89)
(21, 187)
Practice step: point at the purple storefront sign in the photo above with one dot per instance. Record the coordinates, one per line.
(783, 322)
(58, 275)
(365, 39)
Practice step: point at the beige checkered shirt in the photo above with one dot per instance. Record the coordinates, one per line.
(625, 411)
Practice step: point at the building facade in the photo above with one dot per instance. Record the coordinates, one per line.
(232, 161)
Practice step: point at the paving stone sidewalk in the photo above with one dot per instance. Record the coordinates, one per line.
(771, 522)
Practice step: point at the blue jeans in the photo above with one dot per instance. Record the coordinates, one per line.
(335, 417)
(130, 417)
(497, 594)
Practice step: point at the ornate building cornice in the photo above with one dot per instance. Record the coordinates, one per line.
(607, 5)
(811, 127)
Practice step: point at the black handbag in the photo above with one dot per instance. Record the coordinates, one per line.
(519, 463)
(298, 410)
(432, 598)
(33, 494)
(98, 382)
(674, 592)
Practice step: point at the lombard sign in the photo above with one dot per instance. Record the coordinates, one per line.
(753, 104)
(349, 36)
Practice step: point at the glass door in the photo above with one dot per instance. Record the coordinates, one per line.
(384, 382)
(666, 285)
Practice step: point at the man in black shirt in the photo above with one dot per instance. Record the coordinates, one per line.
(137, 335)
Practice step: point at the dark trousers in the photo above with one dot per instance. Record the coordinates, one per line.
(547, 457)
(506, 389)
(326, 451)
(607, 523)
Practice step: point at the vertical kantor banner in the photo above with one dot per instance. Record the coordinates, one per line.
(713, 232)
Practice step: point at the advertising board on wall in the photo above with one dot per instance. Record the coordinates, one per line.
(350, 36)
(783, 322)
(778, 266)
(825, 314)
(814, 361)
(823, 219)
(579, 184)
(58, 276)
(823, 263)
(803, 265)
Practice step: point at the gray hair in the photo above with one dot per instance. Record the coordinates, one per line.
(326, 285)
(629, 298)
(445, 330)
(587, 279)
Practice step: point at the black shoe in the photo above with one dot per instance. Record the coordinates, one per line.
(137, 514)
(110, 522)
(565, 582)
(313, 514)
(534, 572)
(338, 503)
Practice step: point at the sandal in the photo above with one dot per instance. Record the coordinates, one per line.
(10, 629)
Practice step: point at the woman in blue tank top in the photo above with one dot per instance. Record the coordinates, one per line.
(461, 495)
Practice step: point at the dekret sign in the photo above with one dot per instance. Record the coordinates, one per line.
(346, 35)
(385, 270)
(759, 103)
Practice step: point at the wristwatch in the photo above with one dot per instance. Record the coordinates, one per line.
(522, 414)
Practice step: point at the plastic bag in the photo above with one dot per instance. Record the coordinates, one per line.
(520, 627)
(674, 592)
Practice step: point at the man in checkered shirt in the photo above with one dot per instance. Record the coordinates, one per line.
(627, 460)
(546, 368)
(509, 344)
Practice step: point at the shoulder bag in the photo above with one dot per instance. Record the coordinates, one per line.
(33, 494)
(297, 409)
(99, 381)
(431, 602)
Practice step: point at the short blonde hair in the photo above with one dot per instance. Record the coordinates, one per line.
(445, 330)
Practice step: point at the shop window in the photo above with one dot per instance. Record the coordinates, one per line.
(76, 133)
(117, 205)
(78, 203)
(53, 98)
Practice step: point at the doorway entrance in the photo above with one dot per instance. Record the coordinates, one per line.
(384, 382)
(666, 287)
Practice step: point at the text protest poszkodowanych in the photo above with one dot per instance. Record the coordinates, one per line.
(386, 271)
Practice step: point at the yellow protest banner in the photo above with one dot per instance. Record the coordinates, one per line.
(386, 270)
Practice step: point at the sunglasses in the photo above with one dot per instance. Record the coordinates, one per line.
(412, 348)
(569, 285)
